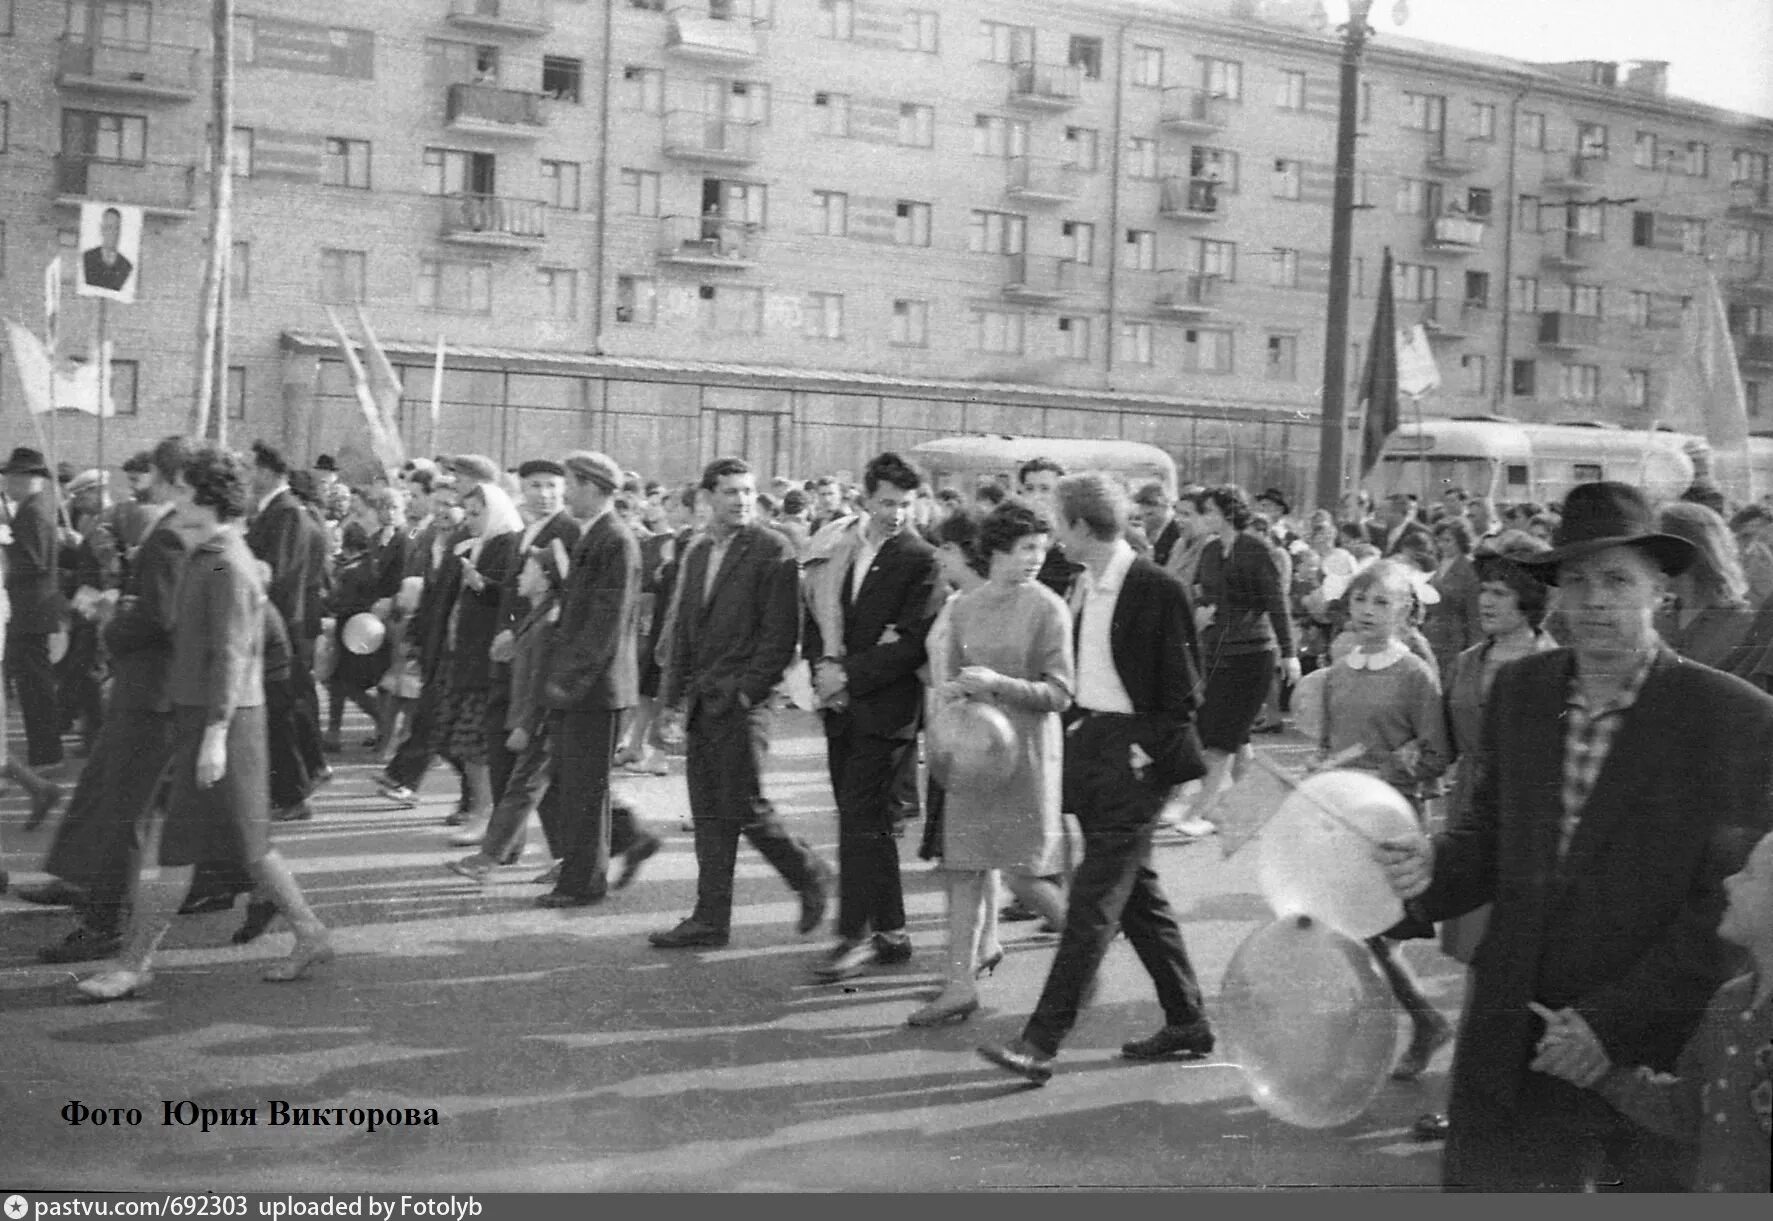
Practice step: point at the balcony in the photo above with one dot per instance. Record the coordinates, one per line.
(1568, 331)
(1449, 325)
(1196, 110)
(1569, 250)
(1572, 172)
(525, 18)
(143, 72)
(694, 32)
(158, 190)
(709, 241)
(487, 110)
(1188, 294)
(1454, 158)
(1040, 278)
(493, 221)
(1749, 280)
(1750, 201)
(691, 135)
(1754, 350)
(1455, 235)
(1045, 86)
(1041, 182)
(1191, 199)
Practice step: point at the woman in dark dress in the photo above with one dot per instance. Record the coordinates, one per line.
(217, 810)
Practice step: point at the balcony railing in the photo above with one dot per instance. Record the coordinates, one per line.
(1039, 277)
(709, 241)
(1754, 349)
(1454, 157)
(150, 71)
(1187, 109)
(1188, 292)
(490, 110)
(1191, 198)
(1041, 181)
(692, 135)
(1455, 234)
(502, 16)
(1046, 86)
(1751, 200)
(1565, 330)
(492, 220)
(1570, 249)
(713, 33)
(164, 190)
(1566, 171)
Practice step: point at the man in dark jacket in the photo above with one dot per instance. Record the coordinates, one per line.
(39, 610)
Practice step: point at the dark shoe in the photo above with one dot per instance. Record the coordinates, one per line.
(1428, 1038)
(988, 965)
(944, 1013)
(556, 898)
(548, 876)
(259, 914)
(691, 934)
(203, 905)
(53, 893)
(332, 744)
(299, 812)
(1021, 1059)
(846, 960)
(324, 776)
(1015, 912)
(637, 855)
(890, 949)
(815, 896)
(475, 868)
(84, 944)
(1431, 1126)
(1190, 1042)
(43, 804)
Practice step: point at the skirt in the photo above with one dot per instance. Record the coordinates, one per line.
(230, 821)
(458, 729)
(1237, 687)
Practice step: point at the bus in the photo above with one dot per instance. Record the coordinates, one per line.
(1510, 461)
(966, 462)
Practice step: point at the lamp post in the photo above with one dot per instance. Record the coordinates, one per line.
(1334, 429)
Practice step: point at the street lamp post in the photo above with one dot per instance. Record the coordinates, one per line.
(1334, 434)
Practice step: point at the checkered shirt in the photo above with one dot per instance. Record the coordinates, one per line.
(1588, 738)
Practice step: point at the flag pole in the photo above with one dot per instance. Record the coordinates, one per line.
(52, 312)
(436, 395)
(104, 391)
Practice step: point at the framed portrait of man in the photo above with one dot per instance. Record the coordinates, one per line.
(110, 251)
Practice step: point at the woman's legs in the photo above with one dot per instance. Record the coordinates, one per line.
(1429, 1029)
(312, 945)
(1042, 894)
(154, 900)
(960, 994)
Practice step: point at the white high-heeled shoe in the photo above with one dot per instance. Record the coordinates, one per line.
(306, 954)
(115, 984)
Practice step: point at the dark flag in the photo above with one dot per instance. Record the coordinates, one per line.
(1379, 380)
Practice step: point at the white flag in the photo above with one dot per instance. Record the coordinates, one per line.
(1704, 393)
(1417, 373)
(76, 383)
(52, 301)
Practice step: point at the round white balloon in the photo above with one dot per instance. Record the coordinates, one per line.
(1307, 705)
(1317, 852)
(363, 634)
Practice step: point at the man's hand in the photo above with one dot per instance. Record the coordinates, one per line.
(504, 648)
(517, 740)
(1203, 618)
(212, 755)
(1290, 671)
(1569, 1049)
(1408, 864)
(471, 575)
(829, 679)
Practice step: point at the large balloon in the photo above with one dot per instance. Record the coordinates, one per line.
(972, 742)
(1308, 1018)
(363, 634)
(1307, 703)
(1317, 852)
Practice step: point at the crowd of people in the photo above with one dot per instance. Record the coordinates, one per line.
(1572, 697)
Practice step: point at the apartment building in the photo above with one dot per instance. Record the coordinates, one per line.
(806, 229)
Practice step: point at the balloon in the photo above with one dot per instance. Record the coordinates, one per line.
(1307, 704)
(363, 634)
(972, 742)
(1314, 865)
(1308, 1019)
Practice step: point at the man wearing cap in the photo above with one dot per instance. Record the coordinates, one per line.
(1616, 786)
(596, 677)
(1402, 531)
(1273, 505)
(1157, 517)
(123, 526)
(39, 609)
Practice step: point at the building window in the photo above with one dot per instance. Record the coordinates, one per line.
(1585, 299)
(1148, 66)
(1080, 148)
(236, 392)
(996, 136)
(125, 378)
(1579, 383)
(1474, 375)
(450, 63)
(638, 192)
(239, 270)
(1290, 93)
(1523, 295)
(342, 276)
(911, 324)
(1366, 103)
(1746, 165)
(1077, 241)
(1643, 150)
(822, 316)
(1287, 179)
(729, 309)
(1283, 268)
(643, 89)
(1529, 214)
(455, 287)
(1215, 258)
(911, 223)
(105, 137)
(917, 125)
(560, 292)
(831, 213)
(1477, 289)
(831, 114)
(1425, 111)
(837, 18)
(1479, 201)
(1523, 378)
(1532, 130)
(1214, 165)
(5, 115)
(1692, 236)
(917, 31)
(1591, 141)
(1085, 52)
(1135, 343)
(1141, 158)
(562, 78)
(1743, 245)
(1222, 78)
(1698, 159)
(448, 171)
(1006, 44)
(1751, 395)
(1283, 358)
(997, 331)
(1363, 190)
(345, 163)
(1074, 337)
(996, 232)
(1414, 196)
(1643, 229)
(1637, 308)
(1637, 387)
(1205, 351)
(1415, 281)
(560, 184)
(1483, 121)
(636, 300)
(1139, 251)
(1589, 220)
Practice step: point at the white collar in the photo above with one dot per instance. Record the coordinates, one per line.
(272, 495)
(1384, 659)
(1114, 573)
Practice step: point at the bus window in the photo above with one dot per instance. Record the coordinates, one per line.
(1406, 474)
(1586, 472)
(1517, 478)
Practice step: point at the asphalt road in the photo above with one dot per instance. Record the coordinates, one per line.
(561, 1052)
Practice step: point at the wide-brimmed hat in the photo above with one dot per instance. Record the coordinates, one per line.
(1278, 498)
(1608, 514)
(25, 461)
